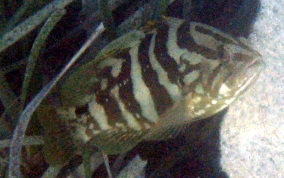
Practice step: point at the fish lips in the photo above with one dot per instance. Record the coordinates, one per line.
(245, 76)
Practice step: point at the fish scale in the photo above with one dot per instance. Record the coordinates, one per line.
(150, 84)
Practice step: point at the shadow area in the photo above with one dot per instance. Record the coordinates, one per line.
(195, 153)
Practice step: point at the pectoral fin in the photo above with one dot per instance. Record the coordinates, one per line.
(113, 142)
(61, 141)
(164, 133)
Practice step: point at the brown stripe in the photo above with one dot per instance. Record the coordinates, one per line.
(106, 100)
(212, 76)
(111, 108)
(126, 90)
(214, 35)
(86, 119)
(185, 40)
(161, 52)
(158, 92)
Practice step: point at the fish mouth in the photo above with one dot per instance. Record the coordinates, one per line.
(257, 64)
(245, 75)
(255, 67)
(251, 73)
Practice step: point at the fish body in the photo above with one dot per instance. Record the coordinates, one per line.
(151, 83)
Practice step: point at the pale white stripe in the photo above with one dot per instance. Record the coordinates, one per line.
(163, 78)
(141, 91)
(199, 89)
(191, 77)
(205, 40)
(224, 90)
(97, 111)
(104, 84)
(115, 63)
(215, 30)
(173, 49)
(81, 132)
(193, 58)
(131, 121)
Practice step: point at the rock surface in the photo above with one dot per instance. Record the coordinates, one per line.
(252, 133)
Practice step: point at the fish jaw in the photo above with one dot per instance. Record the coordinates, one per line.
(241, 79)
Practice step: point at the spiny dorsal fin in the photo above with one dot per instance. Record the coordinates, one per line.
(124, 42)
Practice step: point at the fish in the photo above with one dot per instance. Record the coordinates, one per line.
(148, 84)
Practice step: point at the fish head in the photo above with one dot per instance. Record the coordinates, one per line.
(238, 68)
(220, 81)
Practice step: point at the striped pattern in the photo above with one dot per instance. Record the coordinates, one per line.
(174, 73)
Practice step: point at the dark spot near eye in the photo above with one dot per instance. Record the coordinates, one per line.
(81, 110)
